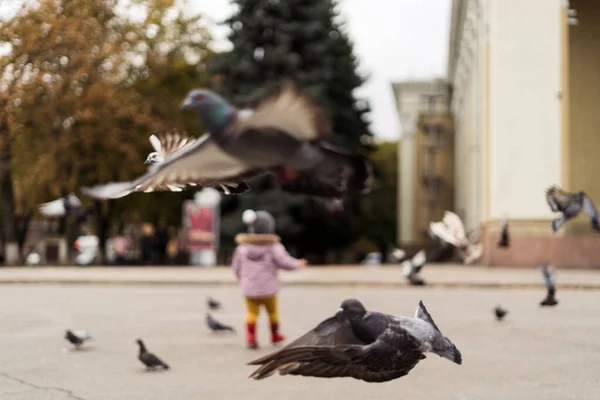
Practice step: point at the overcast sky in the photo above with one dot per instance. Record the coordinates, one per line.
(394, 40)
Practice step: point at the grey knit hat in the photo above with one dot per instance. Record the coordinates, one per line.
(259, 222)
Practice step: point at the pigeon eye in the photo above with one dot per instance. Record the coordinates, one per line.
(198, 97)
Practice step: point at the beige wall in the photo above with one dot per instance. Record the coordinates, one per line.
(584, 93)
(406, 197)
(525, 109)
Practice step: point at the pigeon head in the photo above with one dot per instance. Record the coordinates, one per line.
(68, 333)
(213, 109)
(153, 158)
(353, 309)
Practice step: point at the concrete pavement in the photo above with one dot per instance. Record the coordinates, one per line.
(438, 275)
(535, 353)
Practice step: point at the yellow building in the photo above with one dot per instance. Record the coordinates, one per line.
(526, 90)
(425, 156)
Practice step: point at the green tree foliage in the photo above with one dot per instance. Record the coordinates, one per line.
(302, 40)
(380, 206)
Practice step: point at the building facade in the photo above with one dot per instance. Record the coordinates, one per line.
(525, 92)
(425, 157)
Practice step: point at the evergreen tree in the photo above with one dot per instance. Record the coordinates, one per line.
(302, 40)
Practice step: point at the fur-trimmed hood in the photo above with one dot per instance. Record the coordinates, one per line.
(257, 238)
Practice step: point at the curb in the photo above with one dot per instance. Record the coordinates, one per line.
(434, 285)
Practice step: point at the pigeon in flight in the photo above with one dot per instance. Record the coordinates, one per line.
(60, 207)
(411, 268)
(213, 168)
(368, 346)
(213, 304)
(570, 205)
(148, 359)
(500, 313)
(76, 338)
(504, 238)
(451, 230)
(548, 276)
(285, 135)
(216, 326)
(171, 142)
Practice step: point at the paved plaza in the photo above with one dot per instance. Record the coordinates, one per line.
(534, 354)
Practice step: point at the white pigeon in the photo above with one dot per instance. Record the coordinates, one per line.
(60, 207)
(412, 267)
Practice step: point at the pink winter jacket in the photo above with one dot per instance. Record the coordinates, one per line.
(256, 261)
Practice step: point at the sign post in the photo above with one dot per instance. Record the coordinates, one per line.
(201, 218)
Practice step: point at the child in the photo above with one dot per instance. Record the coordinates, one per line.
(255, 262)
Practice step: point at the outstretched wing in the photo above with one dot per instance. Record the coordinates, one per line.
(457, 229)
(391, 356)
(54, 208)
(289, 112)
(558, 199)
(589, 207)
(170, 142)
(201, 163)
(441, 230)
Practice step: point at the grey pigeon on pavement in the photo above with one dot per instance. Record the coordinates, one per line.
(500, 313)
(213, 304)
(570, 205)
(547, 271)
(148, 359)
(216, 326)
(357, 343)
(77, 338)
(60, 207)
(504, 238)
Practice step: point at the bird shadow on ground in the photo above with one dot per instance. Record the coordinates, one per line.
(150, 370)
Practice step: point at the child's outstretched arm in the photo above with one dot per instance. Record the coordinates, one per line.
(284, 260)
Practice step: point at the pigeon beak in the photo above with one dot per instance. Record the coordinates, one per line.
(147, 161)
(340, 309)
(186, 105)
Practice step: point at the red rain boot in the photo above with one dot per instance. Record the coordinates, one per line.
(276, 337)
(251, 332)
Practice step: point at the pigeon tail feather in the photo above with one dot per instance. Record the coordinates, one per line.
(423, 314)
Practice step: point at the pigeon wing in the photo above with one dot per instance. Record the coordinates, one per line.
(171, 142)
(150, 360)
(589, 207)
(391, 356)
(334, 175)
(454, 223)
(286, 112)
(201, 163)
(440, 230)
(558, 199)
(54, 208)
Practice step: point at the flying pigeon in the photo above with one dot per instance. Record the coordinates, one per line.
(412, 267)
(500, 313)
(570, 205)
(171, 142)
(216, 326)
(548, 275)
(504, 238)
(283, 136)
(76, 338)
(213, 304)
(286, 135)
(364, 345)
(148, 359)
(60, 207)
(451, 230)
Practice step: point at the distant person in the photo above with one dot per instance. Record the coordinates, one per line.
(147, 243)
(162, 239)
(255, 262)
(120, 245)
